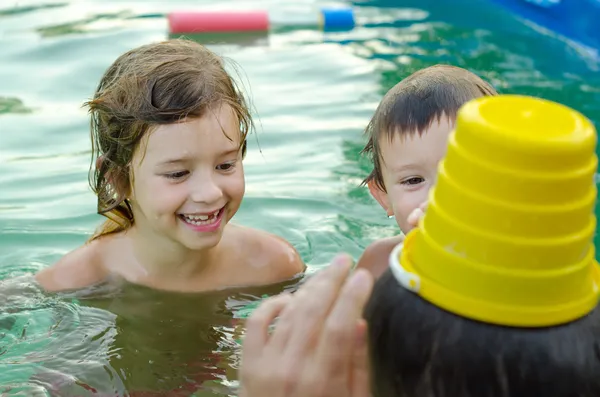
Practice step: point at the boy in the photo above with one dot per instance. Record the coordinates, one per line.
(407, 137)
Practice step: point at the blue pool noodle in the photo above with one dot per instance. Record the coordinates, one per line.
(338, 18)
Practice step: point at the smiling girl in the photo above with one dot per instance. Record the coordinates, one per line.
(169, 131)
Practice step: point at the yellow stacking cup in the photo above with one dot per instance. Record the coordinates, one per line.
(507, 237)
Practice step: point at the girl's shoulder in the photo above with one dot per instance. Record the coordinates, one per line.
(272, 256)
(80, 268)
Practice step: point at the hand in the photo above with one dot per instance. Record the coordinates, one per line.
(318, 347)
(415, 216)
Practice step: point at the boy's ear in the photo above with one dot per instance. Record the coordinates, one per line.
(381, 197)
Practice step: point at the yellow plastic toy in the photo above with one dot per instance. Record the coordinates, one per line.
(507, 237)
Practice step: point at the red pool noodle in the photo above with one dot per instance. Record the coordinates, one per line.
(218, 21)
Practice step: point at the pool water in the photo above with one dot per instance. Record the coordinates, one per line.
(313, 93)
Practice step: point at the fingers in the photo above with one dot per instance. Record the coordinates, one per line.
(360, 380)
(257, 360)
(360, 333)
(417, 214)
(257, 326)
(303, 319)
(414, 216)
(339, 335)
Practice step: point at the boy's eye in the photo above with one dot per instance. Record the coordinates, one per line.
(177, 175)
(226, 166)
(415, 180)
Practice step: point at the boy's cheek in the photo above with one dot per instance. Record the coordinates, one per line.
(404, 205)
(403, 224)
(401, 212)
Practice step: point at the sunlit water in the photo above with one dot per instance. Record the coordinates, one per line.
(313, 93)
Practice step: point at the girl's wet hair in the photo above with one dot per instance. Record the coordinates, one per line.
(155, 84)
(420, 350)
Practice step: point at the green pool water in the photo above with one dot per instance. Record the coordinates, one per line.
(313, 93)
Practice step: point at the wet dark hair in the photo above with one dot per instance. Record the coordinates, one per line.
(413, 104)
(154, 84)
(420, 350)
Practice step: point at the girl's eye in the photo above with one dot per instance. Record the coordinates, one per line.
(226, 166)
(177, 175)
(415, 180)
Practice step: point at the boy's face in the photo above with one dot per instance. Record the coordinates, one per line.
(409, 168)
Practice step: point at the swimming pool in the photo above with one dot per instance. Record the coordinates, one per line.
(313, 94)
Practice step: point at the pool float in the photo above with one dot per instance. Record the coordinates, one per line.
(194, 22)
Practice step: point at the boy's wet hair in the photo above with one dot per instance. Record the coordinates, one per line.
(413, 104)
(420, 350)
(155, 84)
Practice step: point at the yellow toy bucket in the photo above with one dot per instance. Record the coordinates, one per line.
(507, 237)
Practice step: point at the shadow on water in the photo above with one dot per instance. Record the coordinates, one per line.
(259, 38)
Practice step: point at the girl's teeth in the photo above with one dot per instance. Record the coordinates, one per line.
(201, 219)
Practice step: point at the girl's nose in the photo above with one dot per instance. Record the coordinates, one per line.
(206, 191)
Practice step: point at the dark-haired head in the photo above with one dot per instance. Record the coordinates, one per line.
(420, 350)
(413, 104)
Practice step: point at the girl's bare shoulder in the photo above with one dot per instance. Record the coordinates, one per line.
(80, 268)
(274, 258)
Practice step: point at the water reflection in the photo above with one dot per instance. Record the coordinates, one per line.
(15, 9)
(98, 22)
(13, 105)
(166, 342)
(123, 339)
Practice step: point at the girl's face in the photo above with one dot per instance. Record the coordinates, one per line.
(188, 179)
